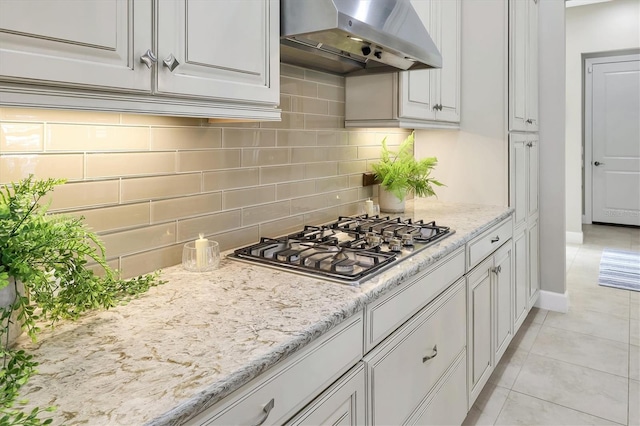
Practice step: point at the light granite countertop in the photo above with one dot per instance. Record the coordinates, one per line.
(187, 344)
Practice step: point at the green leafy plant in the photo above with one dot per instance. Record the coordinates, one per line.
(400, 173)
(55, 258)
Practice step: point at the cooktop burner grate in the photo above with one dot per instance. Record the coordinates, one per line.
(347, 250)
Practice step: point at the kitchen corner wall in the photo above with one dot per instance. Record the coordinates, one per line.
(147, 184)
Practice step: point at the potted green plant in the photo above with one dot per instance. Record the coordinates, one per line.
(47, 273)
(399, 174)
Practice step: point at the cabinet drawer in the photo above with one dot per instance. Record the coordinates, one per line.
(341, 404)
(482, 246)
(293, 384)
(386, 314)
(403, 369)
(448, 403)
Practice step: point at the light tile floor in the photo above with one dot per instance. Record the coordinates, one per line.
(578, 368)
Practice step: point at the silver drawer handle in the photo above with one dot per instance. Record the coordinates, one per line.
(267, 409)
(428, 357)
(495, 240)
(496, 270)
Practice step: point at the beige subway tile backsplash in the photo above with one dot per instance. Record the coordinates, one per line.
(332, 138)
(159, 187)
(189, 229)
(248, 197)
(16, 167)
(285, 191)
(229, 179)
(334, 183)
(130, 164)
(238, 138)
(185, 138)
(21, 137)
(85, 194)
(291, 86)
(318, 170)
(117, 217)
(185, 207)
(264, 156)
(284, 226)
(278, 174)
(150, 183)
(265, 213)
(296, 138)
(151, 260)
(190, 161)
(137, 240)
(74, 137)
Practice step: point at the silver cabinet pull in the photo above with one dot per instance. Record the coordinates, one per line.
(597, 163)
(529, 144)
(495, 239)
(266, 409)
(428, 357)
(148, 58)
(529, 121)
(497, 269)
(171, 62)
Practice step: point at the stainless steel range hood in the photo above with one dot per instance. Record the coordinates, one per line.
(355, 37)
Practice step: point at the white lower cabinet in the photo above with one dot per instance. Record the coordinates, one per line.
(342, 404)
(479, 317)
(490, 289)
(276, 396)
(448, 403)
(403, 370)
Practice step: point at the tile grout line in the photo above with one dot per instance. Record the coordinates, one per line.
(564, 406)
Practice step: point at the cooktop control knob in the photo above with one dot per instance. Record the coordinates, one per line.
(387, 236)
(407, 240)
(395, 244)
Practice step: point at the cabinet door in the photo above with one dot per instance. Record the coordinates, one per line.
(534, 259)
(416, 96)
(446, 81)
(89, 43)
(342, 404)
(225, 49)
(518, 64)
(503, 278)
(532, 183)
(403, 370)
(521, 278)
(518, 174)
(532, 56)
(479, 315)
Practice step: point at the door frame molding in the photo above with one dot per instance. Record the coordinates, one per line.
(587, 115)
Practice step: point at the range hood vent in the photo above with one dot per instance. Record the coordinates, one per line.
(355, 37)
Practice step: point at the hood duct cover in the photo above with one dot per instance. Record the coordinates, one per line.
(355, 37)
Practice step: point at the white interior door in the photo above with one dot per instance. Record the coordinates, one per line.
(615, 130)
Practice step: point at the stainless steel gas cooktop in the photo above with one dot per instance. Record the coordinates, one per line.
(348, 250)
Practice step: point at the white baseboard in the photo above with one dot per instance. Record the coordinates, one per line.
(549, 300)
(574, 237)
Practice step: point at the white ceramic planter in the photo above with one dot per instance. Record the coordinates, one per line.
(7, 298)
(389, 203)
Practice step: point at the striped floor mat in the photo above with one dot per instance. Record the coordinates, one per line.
(620, 269)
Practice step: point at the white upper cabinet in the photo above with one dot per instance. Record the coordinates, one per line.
(414, 99)
(523, 65)
(222, 49)
(89, 43)
(221, 59)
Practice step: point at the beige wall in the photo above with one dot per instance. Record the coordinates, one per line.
(147, 184)
(601, 27)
